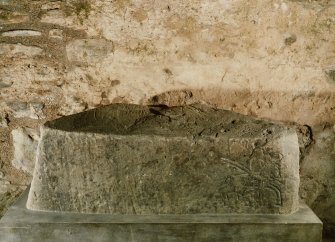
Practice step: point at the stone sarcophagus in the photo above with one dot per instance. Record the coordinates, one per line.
(131, 159)
(154, 173)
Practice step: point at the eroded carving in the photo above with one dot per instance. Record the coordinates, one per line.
(129, 159)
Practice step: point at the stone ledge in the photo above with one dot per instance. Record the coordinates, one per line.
(21, 224)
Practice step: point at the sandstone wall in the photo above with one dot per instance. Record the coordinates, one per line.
(273, 59)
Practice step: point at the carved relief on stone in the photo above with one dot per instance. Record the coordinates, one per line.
(129, 159)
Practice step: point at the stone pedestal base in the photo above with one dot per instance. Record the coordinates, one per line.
(20, 224)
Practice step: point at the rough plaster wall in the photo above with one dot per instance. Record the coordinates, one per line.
(273, 59)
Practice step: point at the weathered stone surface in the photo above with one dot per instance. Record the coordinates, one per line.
(10, 17)
(8, 194)
(130, 159)
(56, 33)
(21, 109)
(17, 49)
(54, 17)
(24, 32)
(4, 2)
(25, 142)
(318, 180)
(5, 84)
(52, 5)
(330, 72)
(3, 120)
(72, 105)
(89, 50)
(21, 224)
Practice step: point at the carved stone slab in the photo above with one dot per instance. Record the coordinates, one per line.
(130, 159)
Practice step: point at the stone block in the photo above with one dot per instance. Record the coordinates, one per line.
(24, 33)
(21, 224)
(20, 109)
(19, 49)
(89, 50)
(3, 118)
(25, 142)
(130, 159)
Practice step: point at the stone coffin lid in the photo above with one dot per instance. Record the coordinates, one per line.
(131, 159)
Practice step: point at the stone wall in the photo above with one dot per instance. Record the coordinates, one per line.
(272, 59)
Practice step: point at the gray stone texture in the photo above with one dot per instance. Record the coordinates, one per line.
(21, 224)
(130, 159)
